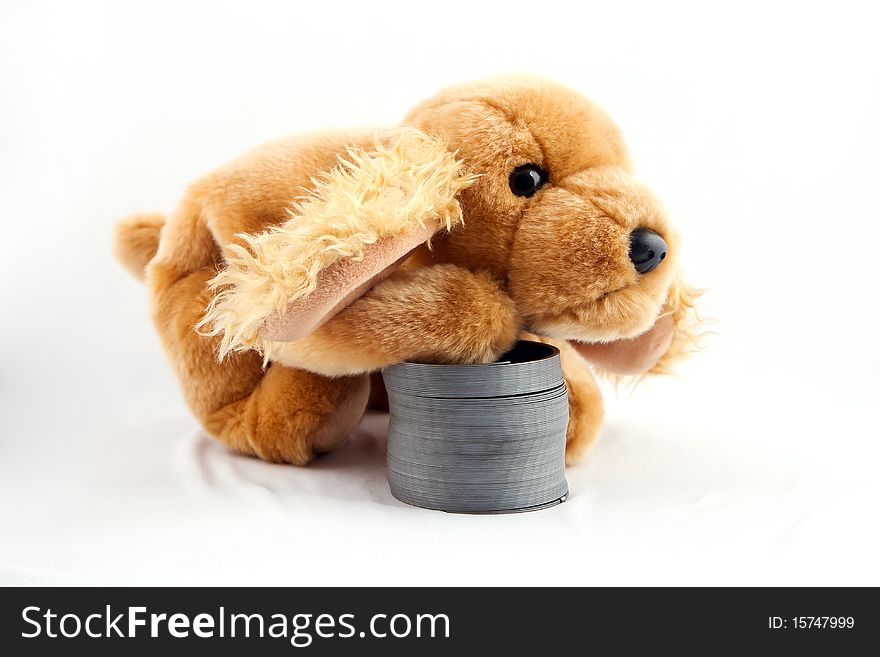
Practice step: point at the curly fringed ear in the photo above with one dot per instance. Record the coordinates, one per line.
(356, 224)
(674, 335)
(681, 309)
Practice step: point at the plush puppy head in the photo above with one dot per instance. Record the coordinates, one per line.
(520, 177)
(587, 252)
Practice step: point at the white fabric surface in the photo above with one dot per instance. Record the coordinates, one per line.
(117, 489)
(756, 466)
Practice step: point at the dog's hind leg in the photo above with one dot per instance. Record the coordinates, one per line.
(279, 413)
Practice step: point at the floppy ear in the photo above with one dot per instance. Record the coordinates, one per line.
(673, 336)
(357, 223)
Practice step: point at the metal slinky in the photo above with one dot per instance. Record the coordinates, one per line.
(479, 438)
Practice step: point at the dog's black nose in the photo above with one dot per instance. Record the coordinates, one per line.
(646, 250)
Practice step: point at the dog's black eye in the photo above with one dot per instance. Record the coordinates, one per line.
(527, 179)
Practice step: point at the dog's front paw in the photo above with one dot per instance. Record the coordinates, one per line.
(477, 321)
(434, 314)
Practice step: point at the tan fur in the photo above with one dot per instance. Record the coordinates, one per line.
(555, 264)
(680, 307)
(441, 313)
(341, 283)
(387, 191)
(631, 356)
(136, 240)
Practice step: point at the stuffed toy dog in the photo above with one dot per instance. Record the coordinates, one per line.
(498, 210)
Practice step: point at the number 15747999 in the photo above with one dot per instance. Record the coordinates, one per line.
(811, 622)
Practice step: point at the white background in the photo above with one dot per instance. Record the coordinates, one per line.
(756, 124)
